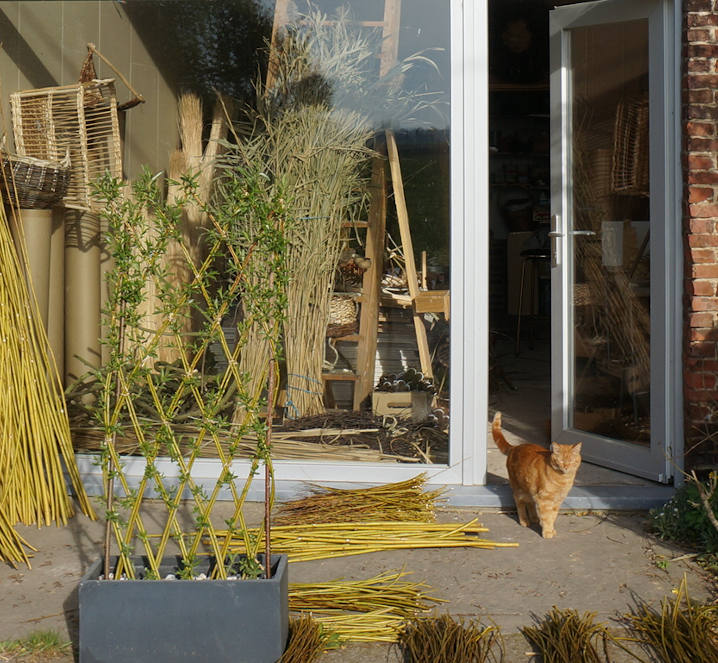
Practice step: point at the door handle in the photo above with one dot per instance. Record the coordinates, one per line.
(555, 233)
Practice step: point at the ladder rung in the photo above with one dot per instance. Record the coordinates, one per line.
(337, 377)
(355, 224)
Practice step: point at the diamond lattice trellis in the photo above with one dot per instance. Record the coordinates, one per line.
(192, 407)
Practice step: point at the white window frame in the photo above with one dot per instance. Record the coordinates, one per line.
(469, 297)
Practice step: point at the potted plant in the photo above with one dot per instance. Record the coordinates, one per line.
(177, 594)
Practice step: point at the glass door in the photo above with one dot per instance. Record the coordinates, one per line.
(610, 212)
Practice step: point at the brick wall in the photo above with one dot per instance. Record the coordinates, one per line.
(700, 165)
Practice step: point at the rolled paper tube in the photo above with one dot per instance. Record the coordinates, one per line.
(56, 290)
(82, 295)
(37, 229)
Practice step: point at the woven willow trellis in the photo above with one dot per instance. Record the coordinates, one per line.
(246, 227)
(78, 120)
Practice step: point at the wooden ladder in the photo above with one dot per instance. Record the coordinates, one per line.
(370, 299)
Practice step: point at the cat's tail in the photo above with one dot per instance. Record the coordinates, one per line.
(498, 434)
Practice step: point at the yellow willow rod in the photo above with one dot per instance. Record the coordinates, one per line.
(135, 515)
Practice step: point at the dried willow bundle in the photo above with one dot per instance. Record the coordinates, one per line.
(303, 543)
(307, 641)
(681, 632)
(564, 636)
(365, 610)
(445, 640)
(403, 500)
(35, 444)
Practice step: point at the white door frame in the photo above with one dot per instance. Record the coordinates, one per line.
(469, 297)
(665, 455)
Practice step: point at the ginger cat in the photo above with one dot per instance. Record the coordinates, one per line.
(540, 478)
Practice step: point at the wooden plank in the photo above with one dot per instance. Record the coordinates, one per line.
(371, 285)
(402, 214)
(281, 16)
(390, 36)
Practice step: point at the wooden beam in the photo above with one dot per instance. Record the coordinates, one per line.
(371, 285)
(402, 215)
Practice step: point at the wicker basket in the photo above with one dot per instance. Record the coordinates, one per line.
(33, 183)
(343, 316)
(80, 119)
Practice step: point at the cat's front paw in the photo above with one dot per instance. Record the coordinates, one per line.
(548, 534)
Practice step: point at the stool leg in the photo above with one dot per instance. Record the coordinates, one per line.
(521, 304)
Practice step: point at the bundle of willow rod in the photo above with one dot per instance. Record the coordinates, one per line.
(35, 445)
(386, 590)
(303, 543)
(307, 641)
(404, 500)
(285, 446)
(446, 640)
(564, 636)
(12, 545)
(366, 610)
(681, 632)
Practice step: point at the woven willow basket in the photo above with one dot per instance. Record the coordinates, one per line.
(33, 183)
(343, 316)
(79, 120)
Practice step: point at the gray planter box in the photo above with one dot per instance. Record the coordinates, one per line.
(157, 621)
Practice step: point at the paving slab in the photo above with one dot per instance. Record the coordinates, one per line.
(599, 562)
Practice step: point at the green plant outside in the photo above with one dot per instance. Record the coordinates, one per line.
(684, 520)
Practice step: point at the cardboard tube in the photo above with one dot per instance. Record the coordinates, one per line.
(37, 229)
(56, 291)
(82, 294)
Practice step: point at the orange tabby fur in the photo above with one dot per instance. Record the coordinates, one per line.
(540, 478)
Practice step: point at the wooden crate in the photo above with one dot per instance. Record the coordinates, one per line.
(414, 405)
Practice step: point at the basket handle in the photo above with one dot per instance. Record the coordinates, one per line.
(137, 99)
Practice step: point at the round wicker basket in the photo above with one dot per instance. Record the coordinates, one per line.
(33, 183)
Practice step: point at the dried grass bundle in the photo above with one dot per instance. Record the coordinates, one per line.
(563, 636)
(446, 640)
(680, 632)
(403, 500)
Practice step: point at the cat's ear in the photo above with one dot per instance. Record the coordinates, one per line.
(555, 448)
(576, 448)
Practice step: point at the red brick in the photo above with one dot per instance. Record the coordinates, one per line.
(702, 395)
(700, 81)
(695, 66)
(702, 50)
(699, 162)
(701, 320)
(699, 34)
(702, 241)
(702, 112)
(704, 272)
(700, 20)
(703, 210)
(697, 5)
(702, 225)
(702, 145)
(703, 177)
(702, 288)
(700, 96)
(704, 304)
(700, 194)
(695, 128)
